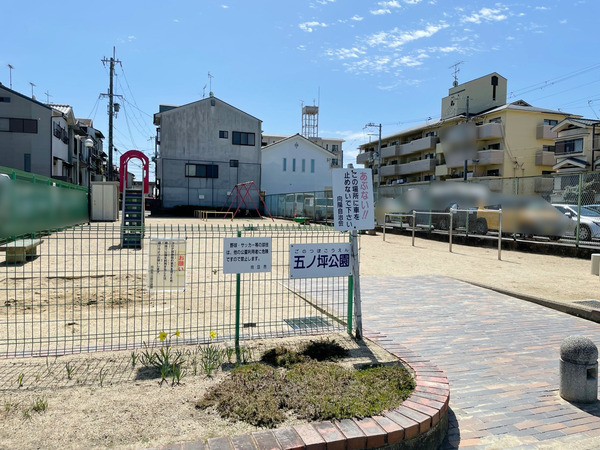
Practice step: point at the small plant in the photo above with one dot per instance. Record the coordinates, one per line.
(211, 357)
(245, 355)
(26, 414)
(229, 352)
(165, 362)
(101, 377)
(177, 374)
(39, 405)
(69, 370)
(20, 379)
(9, 405)
(134, 358)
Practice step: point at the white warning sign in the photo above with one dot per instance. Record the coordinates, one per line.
(166, 270)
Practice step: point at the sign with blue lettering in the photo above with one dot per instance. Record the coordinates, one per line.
(320, 260)
(247, 255)
(353, 199)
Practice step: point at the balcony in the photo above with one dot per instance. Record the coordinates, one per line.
(364, 157)
(543, 158)
(543, 132)
(489, 157)
(418, 145)
(441, 171)
(490, 131)
(422, 165)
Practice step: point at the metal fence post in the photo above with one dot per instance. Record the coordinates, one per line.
(414, 224)
(383, 226)
(237, 310)
(500, 234)
(350, 298)
(579, 209)
(450, 231)
(356, 280)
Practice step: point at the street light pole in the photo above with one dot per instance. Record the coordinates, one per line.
(371, 124)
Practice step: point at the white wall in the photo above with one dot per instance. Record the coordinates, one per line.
(277, 181)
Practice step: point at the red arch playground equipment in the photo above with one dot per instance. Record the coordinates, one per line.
(132, 224)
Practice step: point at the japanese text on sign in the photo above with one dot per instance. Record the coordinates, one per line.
(166, 270)
(353, 199)
(320, 260)
(246, 255)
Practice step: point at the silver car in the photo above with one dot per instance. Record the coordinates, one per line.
(589, 220)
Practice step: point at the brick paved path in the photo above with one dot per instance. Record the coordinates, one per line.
(500, 355)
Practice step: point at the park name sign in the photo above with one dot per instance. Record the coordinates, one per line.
(320, 260)
(353, 199)
(166, 269)
(247, 255)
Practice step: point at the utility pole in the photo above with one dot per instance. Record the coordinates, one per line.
(371, 124)
(10, 69)
(111, 112)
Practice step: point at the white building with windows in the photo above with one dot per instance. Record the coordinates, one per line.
(296, 164)
(334, 145)
(204, 149)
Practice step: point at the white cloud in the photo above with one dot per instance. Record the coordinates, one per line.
(390, 4)
(486, 15)
(324, 2)
(176, 20)
(302, 48)
(541, 8)
(309, 27)
(562, 21)
(412, 61)
(413, 2)
(356, 18)
(379, 12)
(225, 6)
(131, 38)
(345, 53)
(397, 38)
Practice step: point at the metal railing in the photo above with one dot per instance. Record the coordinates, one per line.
(84, 293)
(450, 214)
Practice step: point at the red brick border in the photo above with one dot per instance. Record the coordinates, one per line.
(422, 411)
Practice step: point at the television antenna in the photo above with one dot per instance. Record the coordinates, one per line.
(10, 69)
(456, 68)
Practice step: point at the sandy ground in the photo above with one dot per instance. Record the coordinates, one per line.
(107, 404)
(549, 277)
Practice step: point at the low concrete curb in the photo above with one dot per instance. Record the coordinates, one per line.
(421, 422)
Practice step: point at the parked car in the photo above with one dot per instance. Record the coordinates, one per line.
(522, 215)
(589, 221)
(593, 207)
(385, 206)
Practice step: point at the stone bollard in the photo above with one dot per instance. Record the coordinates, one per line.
(578, 370)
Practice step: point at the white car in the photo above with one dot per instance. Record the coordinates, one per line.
(589, 221)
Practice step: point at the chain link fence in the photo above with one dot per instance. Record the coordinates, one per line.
(83, 292)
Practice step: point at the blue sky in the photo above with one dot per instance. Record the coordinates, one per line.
(372, 61)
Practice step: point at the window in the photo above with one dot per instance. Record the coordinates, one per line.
(493, 173)
(334, 162)
(27, 162)
(312, 166)
(241, 138)
(430, 134)
(223, 134)
(549, 148)
(335, 147)
(494, 147)
(496, 120)
(202, 170)
(19, 125)
(294, 165)
(4, 99)
(550, 122)
(234, 163)
(284, 164)
(303, 165)
(570, 146)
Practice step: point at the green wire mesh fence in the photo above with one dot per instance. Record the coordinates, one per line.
(84, 293)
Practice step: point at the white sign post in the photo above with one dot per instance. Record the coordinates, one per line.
(320, 260)
(353, 211)
(166, 269)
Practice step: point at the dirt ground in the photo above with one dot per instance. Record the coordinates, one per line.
(107, 404)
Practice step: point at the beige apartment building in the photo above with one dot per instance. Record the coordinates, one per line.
(504, 139)
(577, 146)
